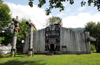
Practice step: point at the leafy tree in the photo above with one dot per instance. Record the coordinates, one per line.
(54, 20)
(22, 31)
(6, 25)
(6, 38)
(94, 30)
(91, 27)
(5, 17)
(98, 37)
(59, 4)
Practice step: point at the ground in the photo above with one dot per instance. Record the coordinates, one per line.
(42, 59)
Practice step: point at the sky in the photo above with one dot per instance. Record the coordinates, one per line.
(73, 16)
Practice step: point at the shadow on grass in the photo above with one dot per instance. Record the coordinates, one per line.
(68, 54)
(15, 62)
(34, 54)
(95, 52)
(17, 55)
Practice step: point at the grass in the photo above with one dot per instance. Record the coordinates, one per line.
(63, 59)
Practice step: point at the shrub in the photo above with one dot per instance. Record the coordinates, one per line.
(92, 47)
(4, 55)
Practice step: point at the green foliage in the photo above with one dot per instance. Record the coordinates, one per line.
(92, 47)
(94, 30)
(7, 38)
(62, 59)
(5, 17)
(59, 4)
(54, 20)
(83, 3)
(98, 37)
(91, 27)
(35, 30)
(23, 30)
(4, 55)
(1, 39)
(6, 24)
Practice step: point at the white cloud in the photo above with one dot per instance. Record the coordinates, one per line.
(36, 14)
(81, 8)
(61, 14)
(80, 20)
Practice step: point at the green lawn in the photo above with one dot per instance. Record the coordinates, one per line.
(63, 59)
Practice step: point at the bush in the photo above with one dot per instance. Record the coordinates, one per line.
(1, 55)
(92, 47)
(4, 55)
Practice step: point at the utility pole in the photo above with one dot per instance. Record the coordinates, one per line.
(16, 24)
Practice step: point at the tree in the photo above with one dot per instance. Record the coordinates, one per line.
(22, 31)
(5, 17)
(91, 27)
(6, 38)
(54, 20)
(98, 37)
(6, 25)
(58, 4)
(94, 30)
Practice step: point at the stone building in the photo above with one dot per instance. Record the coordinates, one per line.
(59, 40)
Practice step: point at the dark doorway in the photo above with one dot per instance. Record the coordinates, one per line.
(52, 47)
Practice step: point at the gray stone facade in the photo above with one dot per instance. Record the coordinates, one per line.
(71, 42)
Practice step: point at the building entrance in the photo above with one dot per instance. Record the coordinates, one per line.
(51, 47)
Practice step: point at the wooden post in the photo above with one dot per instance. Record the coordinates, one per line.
(30, 50)
(16, 23)
(88, 46)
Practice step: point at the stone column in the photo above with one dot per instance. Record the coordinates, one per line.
(16, 23)
(88, 46)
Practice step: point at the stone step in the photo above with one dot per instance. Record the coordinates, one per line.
(50, 53)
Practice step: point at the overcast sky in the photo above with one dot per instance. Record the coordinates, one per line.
(73, 16)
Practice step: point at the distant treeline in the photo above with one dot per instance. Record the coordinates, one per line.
(78, 29)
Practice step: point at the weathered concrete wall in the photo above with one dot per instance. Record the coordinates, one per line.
(70, 41)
